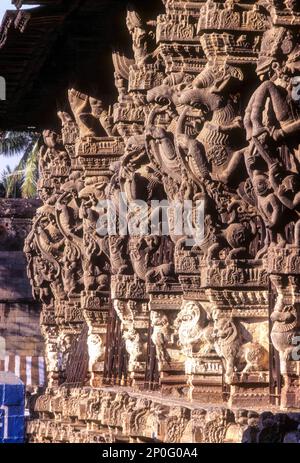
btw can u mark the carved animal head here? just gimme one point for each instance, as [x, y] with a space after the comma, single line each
[202, 100]
[135, 144]
[210, 90]
[286, 314]
[225, 330]
[170, 90]
[189, 315]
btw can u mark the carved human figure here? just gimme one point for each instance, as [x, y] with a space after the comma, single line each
[286, 186]
[95, 349]
[64, 346]
[138, 178]
[133, 346]
[270, 208]
[52, 359]
[276, 64]
[72, 268]
[160, 335]
[52, 155]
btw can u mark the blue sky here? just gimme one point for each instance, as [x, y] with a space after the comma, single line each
[5, 5]
[12, 161]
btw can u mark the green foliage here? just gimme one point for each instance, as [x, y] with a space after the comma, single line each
[21, 181]
[12, 143]
[29, 183]
[10, 183]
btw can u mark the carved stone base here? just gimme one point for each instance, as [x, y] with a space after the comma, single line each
[290, 393]
[89, 415]
[243, 395]
[206, 393]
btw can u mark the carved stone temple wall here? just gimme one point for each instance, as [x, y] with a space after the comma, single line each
[152, 337]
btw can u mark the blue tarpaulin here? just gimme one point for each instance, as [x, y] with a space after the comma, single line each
[12, 408]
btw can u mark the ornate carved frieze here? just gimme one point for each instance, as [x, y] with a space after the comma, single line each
[206, 121]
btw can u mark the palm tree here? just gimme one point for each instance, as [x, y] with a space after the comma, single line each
[10, 184]
[22, 181]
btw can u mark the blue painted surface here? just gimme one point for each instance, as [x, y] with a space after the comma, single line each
[12, 407]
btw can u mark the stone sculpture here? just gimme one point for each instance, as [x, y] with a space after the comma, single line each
[208, 112]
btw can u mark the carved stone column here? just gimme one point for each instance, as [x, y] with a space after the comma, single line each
[130, 302]
[96, 308]
[241, 329]
[165, 303]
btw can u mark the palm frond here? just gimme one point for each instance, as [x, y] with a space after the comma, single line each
[11, 182]
[23, 179]
[29, 183]
[12, 143]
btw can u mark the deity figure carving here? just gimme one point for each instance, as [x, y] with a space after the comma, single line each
[133, 346]
[43, 248]
[138, 178]
[71, 272]
[277, 63]
[211, 94]
[142, 249]
[96, 256]
[52, 156]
